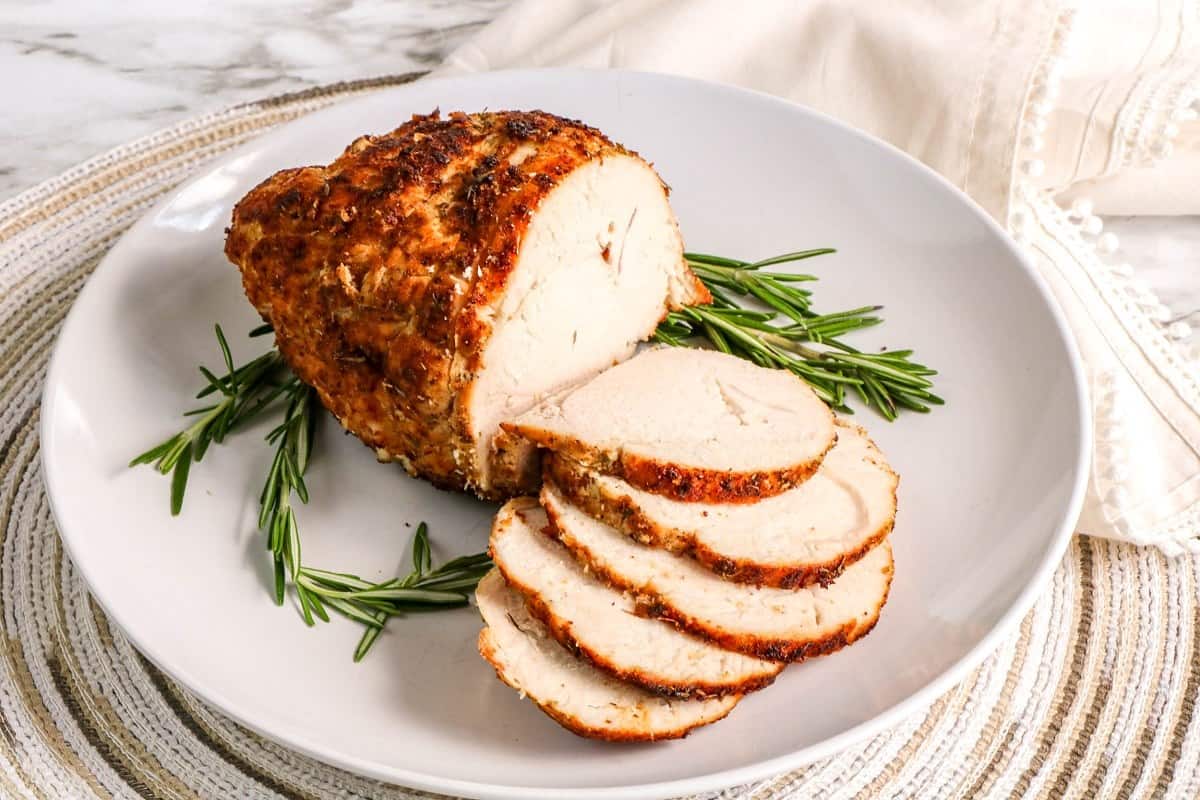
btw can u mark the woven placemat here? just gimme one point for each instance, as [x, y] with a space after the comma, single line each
[1093, 696]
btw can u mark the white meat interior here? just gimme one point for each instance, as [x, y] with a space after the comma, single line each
[601, 253]
[692, 409]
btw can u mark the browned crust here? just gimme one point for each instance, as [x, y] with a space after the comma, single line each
[651, 604]
[487, 649]
[379, 272]
[687, 484]
[563, 632]
[620, 511]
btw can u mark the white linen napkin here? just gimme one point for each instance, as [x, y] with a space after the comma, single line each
[1031, 107]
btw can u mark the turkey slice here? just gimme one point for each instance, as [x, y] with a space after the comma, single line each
[694, 425]
[576, 695]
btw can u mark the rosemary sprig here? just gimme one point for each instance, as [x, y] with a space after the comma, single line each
[371, 604]
[244, 392]
[293, 445]
[786, 333]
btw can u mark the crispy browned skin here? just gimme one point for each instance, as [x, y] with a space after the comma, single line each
[379, 272]
[784, 650]
[562, 631]
[487, 649]
[621, 512]
[690, 484]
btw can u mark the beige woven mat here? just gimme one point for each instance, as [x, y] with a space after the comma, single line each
[1092, 697]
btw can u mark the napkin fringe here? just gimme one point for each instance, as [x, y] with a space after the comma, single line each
[1148, 128]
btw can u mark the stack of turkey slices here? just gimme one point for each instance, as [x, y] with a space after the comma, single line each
[702, 523]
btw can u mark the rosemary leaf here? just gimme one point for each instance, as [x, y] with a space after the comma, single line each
[354, 612]
[179, 478]
[280, 580]
[364, 644]
[317, 606]
[305, 608]
[421, 558]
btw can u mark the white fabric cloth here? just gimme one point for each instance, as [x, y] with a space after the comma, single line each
[1027, 105]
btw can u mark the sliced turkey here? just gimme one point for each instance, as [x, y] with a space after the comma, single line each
[437, 279]
[806, 535]
[600, 624]
[779, 624]
[576, 695]
[694, 425]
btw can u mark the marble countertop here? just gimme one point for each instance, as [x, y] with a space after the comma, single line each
[83, 77]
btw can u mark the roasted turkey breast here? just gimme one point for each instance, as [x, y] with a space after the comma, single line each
[435, 280]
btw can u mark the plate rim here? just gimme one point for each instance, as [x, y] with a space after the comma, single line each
[709, 781]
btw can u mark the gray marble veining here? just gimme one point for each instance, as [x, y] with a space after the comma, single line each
[81, 77]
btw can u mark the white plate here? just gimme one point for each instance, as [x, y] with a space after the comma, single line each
[991, 483]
